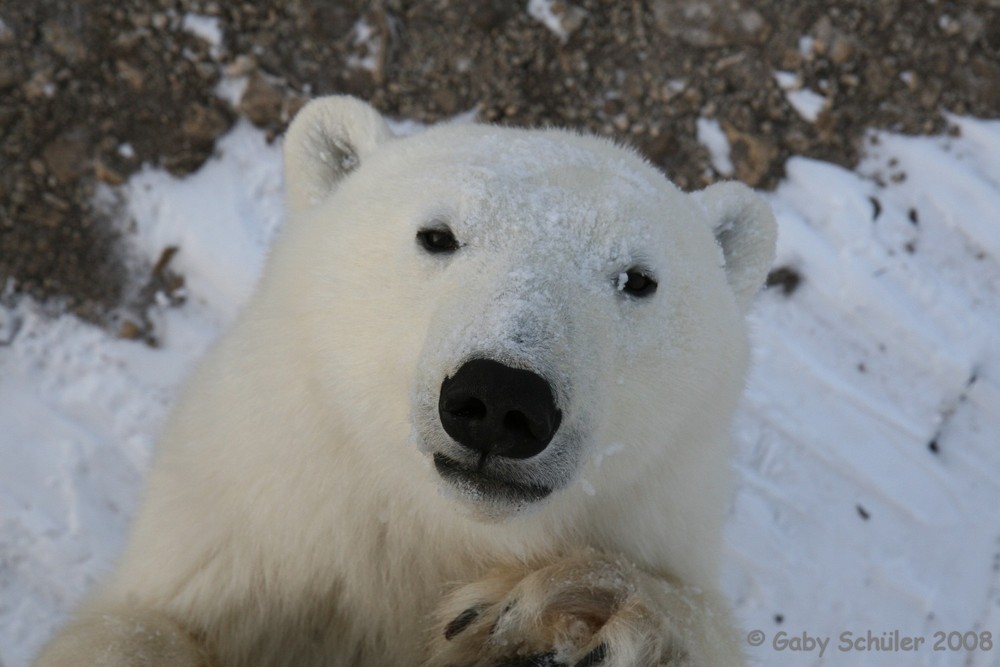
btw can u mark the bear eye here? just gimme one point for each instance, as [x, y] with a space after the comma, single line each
[636, 282]
[437, 240]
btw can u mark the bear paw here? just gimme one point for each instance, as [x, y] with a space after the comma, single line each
[581, 611]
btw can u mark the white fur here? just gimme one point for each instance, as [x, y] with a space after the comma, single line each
[293, 516]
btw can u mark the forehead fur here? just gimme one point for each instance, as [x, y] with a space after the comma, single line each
[546, 156]
[493, 184]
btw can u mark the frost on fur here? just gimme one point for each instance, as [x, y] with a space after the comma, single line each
[411, 419]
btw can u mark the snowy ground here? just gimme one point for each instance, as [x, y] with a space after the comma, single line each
[867, 449]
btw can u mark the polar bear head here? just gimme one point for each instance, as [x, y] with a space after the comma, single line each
[505, 306]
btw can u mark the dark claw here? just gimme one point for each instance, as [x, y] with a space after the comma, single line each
[460, 622]
[544, 660]
[595, 657]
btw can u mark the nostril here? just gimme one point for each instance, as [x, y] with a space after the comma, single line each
[471, 408]
[516, 422]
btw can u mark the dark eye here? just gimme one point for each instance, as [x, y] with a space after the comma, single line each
[437, 240]
[636, 283]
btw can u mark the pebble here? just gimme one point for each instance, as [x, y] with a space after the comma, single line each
[10, 70]
[64, 40]
[710, 23]
[66, 159]
[203, 124]
[261, 101]
[105, 172]
[752, 156]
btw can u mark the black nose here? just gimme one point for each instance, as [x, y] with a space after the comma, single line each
[495, 409]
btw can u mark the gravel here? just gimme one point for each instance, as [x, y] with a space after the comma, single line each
[89, 91]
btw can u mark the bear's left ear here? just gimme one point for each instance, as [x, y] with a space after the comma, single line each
[745, 228]
[329, 138]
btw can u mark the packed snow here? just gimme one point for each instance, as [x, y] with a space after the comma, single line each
[562, 19]
[368, 42]
[806, 102]
[866, 452]
[711, 135]
[205, 28]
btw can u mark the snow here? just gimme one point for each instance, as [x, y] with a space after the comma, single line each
[367, 41]
[231, 89]
[205, 28]
[221, 220]
[807, 103]
[80, 409]
[867, 462]
[806, 43]
[881, 352]
[559, 17]
[711, 136]
[787, 80]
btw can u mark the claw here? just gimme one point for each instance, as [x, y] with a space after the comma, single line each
[543, 660]
[595, 657]
[459, 623]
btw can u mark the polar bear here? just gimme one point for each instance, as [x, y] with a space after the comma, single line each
[477, 413]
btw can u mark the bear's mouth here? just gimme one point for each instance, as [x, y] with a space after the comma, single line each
[481, 485]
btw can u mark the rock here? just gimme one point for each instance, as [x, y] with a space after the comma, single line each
[949, 26]
[570, 16]
[203, 124]
[560, 17]
[106, 172]
[66, 159]
[242, 65]
[7, 36]
[930, 94]
[130, 75]
[751, 155]
[842, 49]
[489, 15]
[446, 100]
[886, 11]
[823, 34]
[980, 80]
[261, 101]
[879, 77]
[292, 105]
[40, 85]
[129, 330]
[64, 41]
[711, 23]
[10, 70]
[972, 26]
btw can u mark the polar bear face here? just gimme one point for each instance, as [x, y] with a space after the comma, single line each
[502, 304]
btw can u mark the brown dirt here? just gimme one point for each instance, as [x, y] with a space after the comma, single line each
[78, 79]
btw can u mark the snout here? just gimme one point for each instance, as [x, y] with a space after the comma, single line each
[496, 410]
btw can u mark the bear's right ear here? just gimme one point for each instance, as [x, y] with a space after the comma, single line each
[328, 139]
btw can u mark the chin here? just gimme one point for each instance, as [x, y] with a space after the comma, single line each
[488, 495]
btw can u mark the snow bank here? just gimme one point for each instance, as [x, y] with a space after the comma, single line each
[79, 409]
[868, 453]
